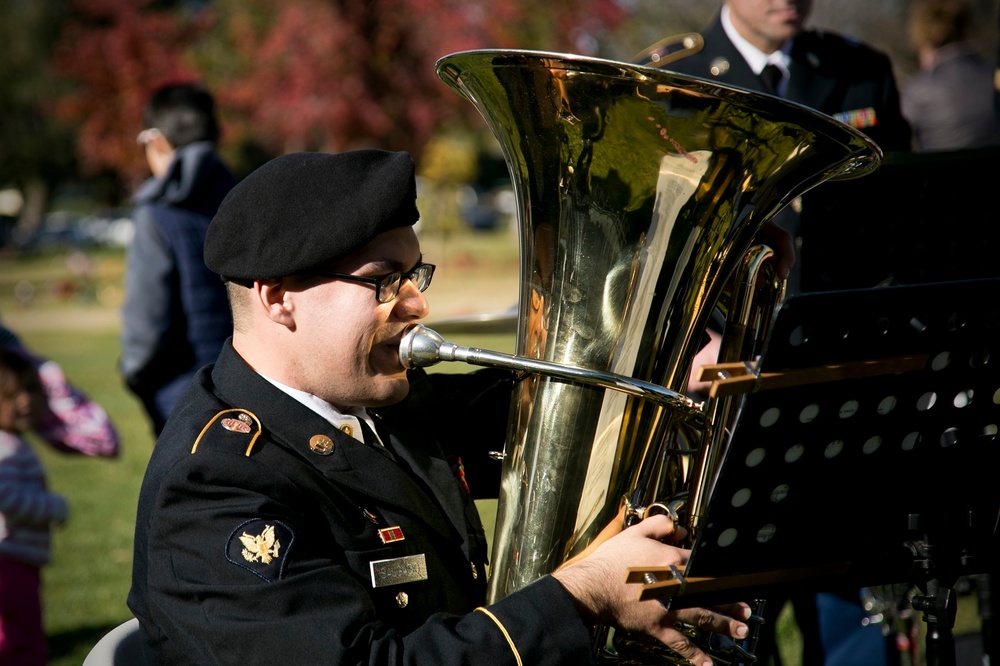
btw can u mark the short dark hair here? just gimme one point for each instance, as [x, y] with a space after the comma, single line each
[17, 372]
[935, 23]
[183, 112]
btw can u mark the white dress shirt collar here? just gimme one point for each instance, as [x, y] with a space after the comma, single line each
[756, 58]
[346, 423]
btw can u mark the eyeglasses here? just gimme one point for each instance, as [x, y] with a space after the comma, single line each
[387, 286]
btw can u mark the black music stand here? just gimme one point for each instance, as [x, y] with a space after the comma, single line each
[920, 218]
[865, 456]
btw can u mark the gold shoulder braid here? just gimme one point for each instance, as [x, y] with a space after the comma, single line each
[239, 421]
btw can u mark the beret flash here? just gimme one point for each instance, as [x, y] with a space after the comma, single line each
[303, 211]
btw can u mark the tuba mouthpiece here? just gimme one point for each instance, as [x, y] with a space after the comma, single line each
[420, 347]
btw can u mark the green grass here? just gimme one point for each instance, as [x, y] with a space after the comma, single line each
[88, 580]
[73, 320]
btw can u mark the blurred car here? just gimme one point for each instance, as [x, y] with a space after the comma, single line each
[62, 229]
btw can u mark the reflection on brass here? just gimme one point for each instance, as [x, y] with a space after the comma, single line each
[640, 194]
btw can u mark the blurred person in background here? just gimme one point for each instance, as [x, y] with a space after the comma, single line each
[175, 317]
[35, 396]
[763, 45]
[71, 422]
[949, 102]
[27, 511]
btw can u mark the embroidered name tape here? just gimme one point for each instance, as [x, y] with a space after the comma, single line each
[398, 570]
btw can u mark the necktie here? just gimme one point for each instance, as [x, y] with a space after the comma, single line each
[371, 439]
[770, 77]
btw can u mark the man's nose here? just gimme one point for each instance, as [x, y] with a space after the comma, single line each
[412, 301]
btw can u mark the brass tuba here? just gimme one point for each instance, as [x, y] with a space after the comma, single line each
[639, 196]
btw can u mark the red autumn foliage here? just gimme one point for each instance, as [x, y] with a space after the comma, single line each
[296, 74]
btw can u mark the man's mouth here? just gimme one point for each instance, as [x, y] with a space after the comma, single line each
[391, 346]
[393, 341]
[788, 12]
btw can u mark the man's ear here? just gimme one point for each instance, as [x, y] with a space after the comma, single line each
[275, 299]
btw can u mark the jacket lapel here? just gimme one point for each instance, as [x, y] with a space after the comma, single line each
[436, 473]
[368, 472]
[807, 82]
[735, 71]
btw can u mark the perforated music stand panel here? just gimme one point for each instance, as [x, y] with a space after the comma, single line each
[828, 472]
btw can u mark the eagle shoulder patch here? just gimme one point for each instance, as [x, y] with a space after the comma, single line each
[261, 547]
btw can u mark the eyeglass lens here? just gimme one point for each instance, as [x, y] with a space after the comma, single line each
[390, 284]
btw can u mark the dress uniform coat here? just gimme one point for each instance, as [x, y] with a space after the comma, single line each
[266, 534]
[829, 73]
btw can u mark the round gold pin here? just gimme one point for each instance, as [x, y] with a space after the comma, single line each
[321, 444]
[402, 599]
[719, 66]
[347, 430]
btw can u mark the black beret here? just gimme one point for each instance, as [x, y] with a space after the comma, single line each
[303, 211]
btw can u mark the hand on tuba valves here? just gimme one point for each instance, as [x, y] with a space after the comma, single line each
[597, 584]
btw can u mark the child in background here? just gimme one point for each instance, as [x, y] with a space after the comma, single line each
[70, 422]
[35, 395]
[27, 511]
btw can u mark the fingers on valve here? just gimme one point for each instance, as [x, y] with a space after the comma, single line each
[658, 526]
[717, 623]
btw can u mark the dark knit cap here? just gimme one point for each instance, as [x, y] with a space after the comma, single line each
[303, 211]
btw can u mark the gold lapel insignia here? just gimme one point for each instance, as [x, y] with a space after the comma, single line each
[321, 444]
[718, 67]
[390, 534]
[262, 547]
[369, 515]
[240, 424]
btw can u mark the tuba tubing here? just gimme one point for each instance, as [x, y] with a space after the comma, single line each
[639, 194]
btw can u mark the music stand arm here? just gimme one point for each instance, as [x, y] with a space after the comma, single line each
[738, 378]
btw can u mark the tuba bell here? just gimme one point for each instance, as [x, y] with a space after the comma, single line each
[639, 197]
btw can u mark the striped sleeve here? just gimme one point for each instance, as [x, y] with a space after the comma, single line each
[24, 499]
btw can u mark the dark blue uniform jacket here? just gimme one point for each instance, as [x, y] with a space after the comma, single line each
[829, 73]
[264, 534]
